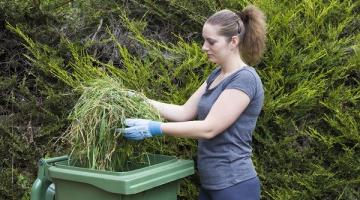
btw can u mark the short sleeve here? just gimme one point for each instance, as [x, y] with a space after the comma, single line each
[245, 81]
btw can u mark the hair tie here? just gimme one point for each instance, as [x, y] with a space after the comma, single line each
[243, 16]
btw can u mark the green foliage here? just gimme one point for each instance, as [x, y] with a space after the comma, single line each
[174, 71]
[309, 125]
[33, 106]
[29, 124]
[306, 145]
[103, 107]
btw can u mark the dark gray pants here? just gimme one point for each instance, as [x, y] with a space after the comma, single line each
[246, 190]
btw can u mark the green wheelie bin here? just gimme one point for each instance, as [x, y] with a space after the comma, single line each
[59, 179]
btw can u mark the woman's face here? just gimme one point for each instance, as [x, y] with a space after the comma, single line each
[217, 47]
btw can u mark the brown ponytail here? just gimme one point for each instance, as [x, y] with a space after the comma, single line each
[253, 42]
[249, 25]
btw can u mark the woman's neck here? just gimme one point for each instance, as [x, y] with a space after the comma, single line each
[232, 64]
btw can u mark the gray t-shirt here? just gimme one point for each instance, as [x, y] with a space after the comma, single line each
[226, 159]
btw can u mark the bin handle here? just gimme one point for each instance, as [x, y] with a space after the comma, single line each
[53, 160]
[41, 184]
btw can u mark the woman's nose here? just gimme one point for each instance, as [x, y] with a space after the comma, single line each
[204, 47]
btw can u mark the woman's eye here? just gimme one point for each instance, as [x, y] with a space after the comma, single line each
[211, 42]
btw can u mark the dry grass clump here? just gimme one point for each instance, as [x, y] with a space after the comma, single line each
[102, 107]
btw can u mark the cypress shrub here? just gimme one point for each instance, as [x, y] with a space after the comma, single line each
[307, 136]
[306, 141]
[177, 67]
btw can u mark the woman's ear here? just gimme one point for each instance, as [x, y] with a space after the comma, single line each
[235, 41]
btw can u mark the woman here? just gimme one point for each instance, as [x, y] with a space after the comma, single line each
[225, 107]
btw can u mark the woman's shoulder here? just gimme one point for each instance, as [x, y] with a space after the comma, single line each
[247, 76]
[248, 71]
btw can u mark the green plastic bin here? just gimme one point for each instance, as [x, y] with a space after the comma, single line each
[157, 180]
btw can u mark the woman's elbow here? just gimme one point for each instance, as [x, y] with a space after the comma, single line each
[209, 132]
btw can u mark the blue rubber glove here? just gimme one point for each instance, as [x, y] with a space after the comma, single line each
[139, 129]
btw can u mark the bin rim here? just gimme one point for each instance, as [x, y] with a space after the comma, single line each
[64, 164]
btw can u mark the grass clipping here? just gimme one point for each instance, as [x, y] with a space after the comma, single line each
[102, 107]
